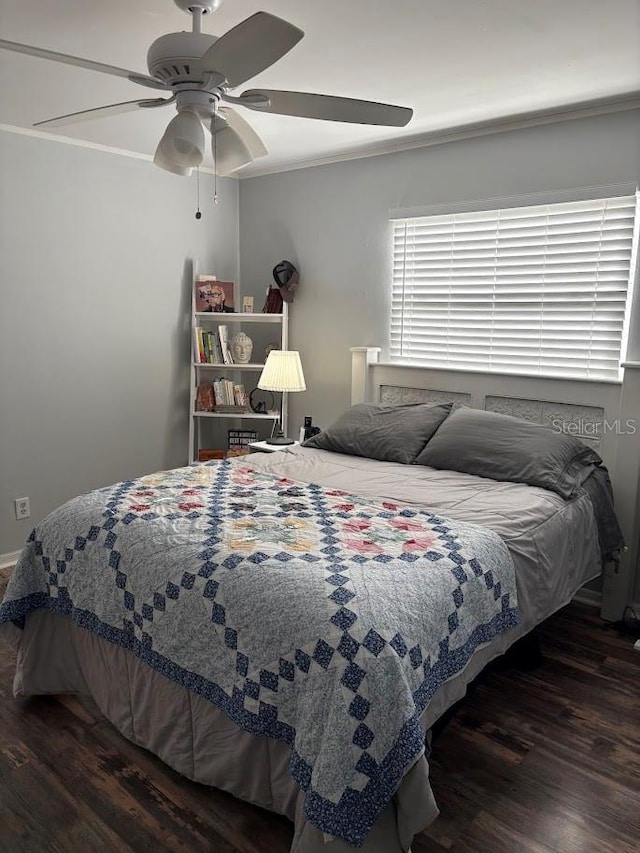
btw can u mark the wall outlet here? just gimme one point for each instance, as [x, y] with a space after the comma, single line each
[23, 510]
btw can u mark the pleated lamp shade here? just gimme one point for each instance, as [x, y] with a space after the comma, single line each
[282, 372]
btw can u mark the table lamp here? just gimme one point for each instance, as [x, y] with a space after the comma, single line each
[282, 372]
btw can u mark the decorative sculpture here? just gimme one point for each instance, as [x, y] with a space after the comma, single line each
[241, 348]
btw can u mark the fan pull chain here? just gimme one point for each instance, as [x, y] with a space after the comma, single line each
[215, 162]
[198, 213]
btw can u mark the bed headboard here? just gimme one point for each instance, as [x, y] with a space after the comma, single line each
[603, 414]
[585, 422]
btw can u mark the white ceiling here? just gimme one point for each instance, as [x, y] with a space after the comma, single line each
[454, 62]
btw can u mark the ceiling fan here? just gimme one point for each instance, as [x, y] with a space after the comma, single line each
[199, 69]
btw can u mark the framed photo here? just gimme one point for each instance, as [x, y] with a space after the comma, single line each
[214, 296]
[247, 304]
[239, 439]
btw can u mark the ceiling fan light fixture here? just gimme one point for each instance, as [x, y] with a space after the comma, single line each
[199, 69]
[160, 159]
[229, 151]
[244, 130]
[183, 140]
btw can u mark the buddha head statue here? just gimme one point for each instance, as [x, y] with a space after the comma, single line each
[241, 348]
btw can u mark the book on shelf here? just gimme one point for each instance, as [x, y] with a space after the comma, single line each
[229, 396]
[240, 396]
[218, 392]
[205, 401]
[217, 349]
[223, 334]
[198, 345]
[209, 349]
[208, 355]
[211, 346]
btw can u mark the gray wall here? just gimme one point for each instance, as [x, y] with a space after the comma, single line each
[333, 221]
[95, 273]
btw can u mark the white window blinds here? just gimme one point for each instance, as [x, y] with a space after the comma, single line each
[536, 290]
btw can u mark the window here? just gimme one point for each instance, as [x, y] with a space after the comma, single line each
[538, 290]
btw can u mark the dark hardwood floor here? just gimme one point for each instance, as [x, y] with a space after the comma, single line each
[539, 761]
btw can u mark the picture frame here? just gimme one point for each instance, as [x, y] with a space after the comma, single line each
[247, 304]
[211, 295]
[240, 439]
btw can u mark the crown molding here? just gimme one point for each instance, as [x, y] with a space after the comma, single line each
[518, 121]
[83, 143]
[70, 140]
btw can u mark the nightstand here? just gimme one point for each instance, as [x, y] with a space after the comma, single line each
[265, 447]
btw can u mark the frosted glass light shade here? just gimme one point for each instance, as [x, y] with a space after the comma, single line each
[234, 143]
[161, 160]
[183, 140]
[229, 151]
[282, 372]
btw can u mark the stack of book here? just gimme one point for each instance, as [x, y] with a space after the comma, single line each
[212, 346]
[229, 396]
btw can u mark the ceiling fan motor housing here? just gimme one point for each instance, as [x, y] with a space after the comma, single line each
[206, 5]
[174, 58]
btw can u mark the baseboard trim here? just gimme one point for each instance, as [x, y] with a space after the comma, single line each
[588, 596]
[10, 559]
[594, 598]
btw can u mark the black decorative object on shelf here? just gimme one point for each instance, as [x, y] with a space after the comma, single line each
[261, 401]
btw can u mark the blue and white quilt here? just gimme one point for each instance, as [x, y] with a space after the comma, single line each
[306, 614]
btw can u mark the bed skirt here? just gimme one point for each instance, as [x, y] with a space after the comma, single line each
[192, 736]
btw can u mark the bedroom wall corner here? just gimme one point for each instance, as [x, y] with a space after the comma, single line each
[95, 262]
[332, 221]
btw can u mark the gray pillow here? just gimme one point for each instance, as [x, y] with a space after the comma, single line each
[387, 433]
[500, 447]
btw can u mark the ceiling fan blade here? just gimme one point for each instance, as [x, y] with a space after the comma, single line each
[330, 108]
[246, 133]
[250, 47]
[41, 53]
[100, 112]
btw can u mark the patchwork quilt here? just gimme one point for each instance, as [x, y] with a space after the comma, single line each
[306, 614]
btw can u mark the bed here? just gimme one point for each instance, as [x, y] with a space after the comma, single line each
[288, 627]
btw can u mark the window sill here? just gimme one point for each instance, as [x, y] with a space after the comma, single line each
[545, 378]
